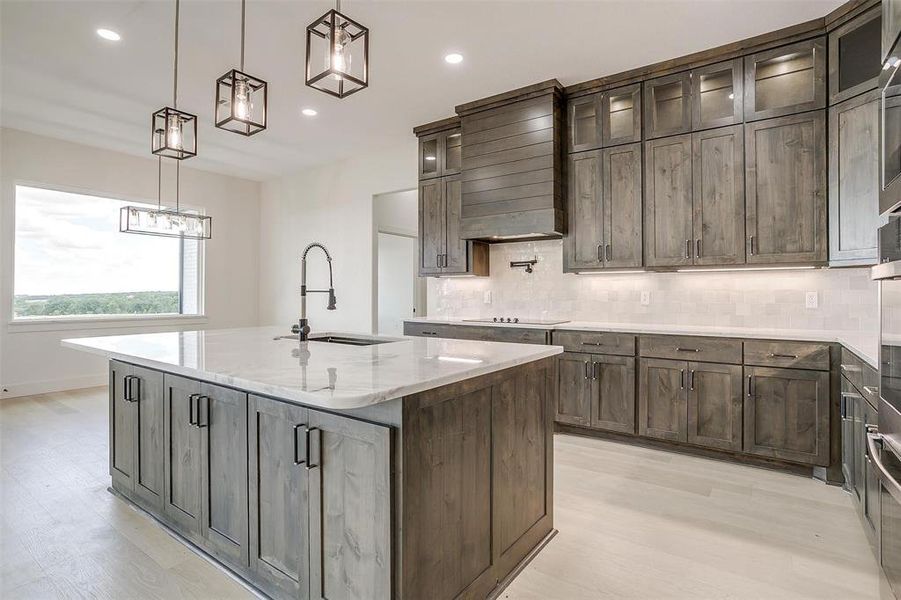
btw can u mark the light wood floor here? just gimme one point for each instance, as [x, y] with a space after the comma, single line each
[633, 523]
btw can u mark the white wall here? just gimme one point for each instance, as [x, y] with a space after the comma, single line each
[332, 204]
[33, 361]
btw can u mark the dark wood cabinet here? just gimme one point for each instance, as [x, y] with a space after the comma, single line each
[584, 115]
[604, 209]
[715, 405]
[662, 399]
[442, 250]
[667, 105]
[440, 154]
[136, 433]
[891, 26]
[183, 500]
[574, 383]
[785, 185]
[854, 179]
[785, 80]
[855, 56]
[621, 115]
[429, 163]
[718, 190]
[716, 95]
[613, 393]
[668, 230]
[787, 414]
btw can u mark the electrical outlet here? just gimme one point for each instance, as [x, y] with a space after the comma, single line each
[486, 297]
[645, 298]
[812, 300]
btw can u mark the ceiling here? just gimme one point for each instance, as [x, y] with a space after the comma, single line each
[60, 79]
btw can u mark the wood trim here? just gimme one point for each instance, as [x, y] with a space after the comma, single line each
[848, 11]
[437, 126]
[550, 86]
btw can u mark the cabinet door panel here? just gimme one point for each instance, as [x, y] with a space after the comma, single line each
[223, 420]
[621, 176]
[574, 397]
[431, 226]
[667, 105]
[350, 508]
[854, 179]
[122, 415]
[150, 393]
[613, 393]
[787, 414]
[455, 247]
[662, 400]
[585, 123]
[668, 202]
[621, 115]
[183, 502]
[429, 156]
[452, 152]
[786, 80]
[715, 405]
[719, 196]
[854, 56]
[279, 497]
[848, 402]
[716, 95]
[584, 237]
[786, 178]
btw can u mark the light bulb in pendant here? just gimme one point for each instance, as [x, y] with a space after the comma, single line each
[340, 58]
[173, 135]
[243, 105]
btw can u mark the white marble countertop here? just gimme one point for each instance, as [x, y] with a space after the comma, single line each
[864, 344]
[326, 375]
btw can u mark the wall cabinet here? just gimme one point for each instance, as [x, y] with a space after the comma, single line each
[584, 115]
[440, 154]
[787, 414]
[667, 105]
[604, 119]
[854, 56]
[785, 80]
[442, 250]
[206, 466]
[694, 207]
[854, 179]
[136, 433]
[785, 189]
[604, 207]
[716, 95]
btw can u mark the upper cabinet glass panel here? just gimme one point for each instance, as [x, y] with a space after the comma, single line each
[621, 115]
[785, 80]
[854, 56]
[716, 95]
[584, 124]
[667, 105]
[453, 157]
[428, 156]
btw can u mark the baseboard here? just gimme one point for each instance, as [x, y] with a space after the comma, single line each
[55, 385]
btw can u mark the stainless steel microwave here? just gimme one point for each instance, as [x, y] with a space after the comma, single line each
[890, 133]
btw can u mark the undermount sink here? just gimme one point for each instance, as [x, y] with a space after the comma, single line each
[340, 339]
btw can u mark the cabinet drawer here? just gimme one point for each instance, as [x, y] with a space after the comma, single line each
[428, 330]
[852, 369]
[596, 342]
[795, 355]
[691, 348]
[516, 335]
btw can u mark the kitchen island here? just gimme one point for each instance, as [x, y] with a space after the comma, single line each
[374, 468]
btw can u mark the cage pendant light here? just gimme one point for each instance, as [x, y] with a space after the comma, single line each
[159, 221]
[337, 54]
[173, 131]
[241, 99]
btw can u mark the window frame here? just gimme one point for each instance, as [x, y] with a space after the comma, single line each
[71, 322]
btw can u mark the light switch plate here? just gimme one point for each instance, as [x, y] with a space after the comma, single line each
[812, 300]
[645, 298]
[486, 297]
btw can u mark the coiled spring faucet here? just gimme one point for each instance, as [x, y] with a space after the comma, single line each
[302, 328]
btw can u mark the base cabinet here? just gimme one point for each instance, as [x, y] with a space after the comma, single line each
[662, 401]
[597, 391]
[574, 380]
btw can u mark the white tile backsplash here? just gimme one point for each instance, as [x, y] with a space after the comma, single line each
[762, 299]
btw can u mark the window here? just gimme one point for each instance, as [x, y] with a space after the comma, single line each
[72, 261]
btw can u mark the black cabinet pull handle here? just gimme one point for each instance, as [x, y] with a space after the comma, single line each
[687, 248]
[751, 245]
[698, 248]
[596, 371]
[135, 388]
[691, 380]
[600, 258]
[682, 378]
[205, 412]
[586, 370]
[776, 355]
[608, 252]
[749, 387]
[193, 409]
[126, 388]
[300, 428]
[679, 349]
[314, 447]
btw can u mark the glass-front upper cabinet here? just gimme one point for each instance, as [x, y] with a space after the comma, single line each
[440, 154]
[667, 105]
[716, 95]
[428, 156]
[585, 123]
[453, 153]
[854, 56]
[621, 115]
[786, 80]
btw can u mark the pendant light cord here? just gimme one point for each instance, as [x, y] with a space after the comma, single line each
[243, 11]
[177, 177]
[159, 183]
[338, 5]
[175, 70]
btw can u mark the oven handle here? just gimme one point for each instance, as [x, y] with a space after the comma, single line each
[884, 476]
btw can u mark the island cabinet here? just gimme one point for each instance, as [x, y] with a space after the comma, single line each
[785, 187]
[695, 201]
[320, 503]
[854, 180]
[136, 433]
[604, 208]
[206, 466]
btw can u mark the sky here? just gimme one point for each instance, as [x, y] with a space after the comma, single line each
[70, 243]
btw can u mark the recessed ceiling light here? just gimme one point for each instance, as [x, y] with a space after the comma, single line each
[109, 34]
[309, 112]
[453, 58]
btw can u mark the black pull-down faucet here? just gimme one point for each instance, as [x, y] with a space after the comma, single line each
[302, 328]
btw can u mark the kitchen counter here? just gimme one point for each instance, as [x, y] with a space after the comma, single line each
[865, 345]
[326, 375]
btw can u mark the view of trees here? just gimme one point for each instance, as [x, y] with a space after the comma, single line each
[122, 303]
